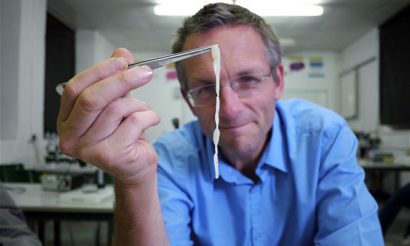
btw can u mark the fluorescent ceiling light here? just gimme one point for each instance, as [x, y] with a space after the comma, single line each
[297, 10]
[294, 8]
[278, 2]
[176, 10]
[181, 7]
[287, 42]
[260, 7]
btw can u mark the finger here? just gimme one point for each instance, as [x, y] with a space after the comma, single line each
[132, 128]
[111, 117]
[121, 52]
[84, 79]
[121, 57]
[95, 98]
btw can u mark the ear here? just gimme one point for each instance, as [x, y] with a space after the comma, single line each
[279, 83]
[185, 96]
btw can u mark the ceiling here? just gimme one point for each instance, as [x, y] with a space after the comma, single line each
[132, 23]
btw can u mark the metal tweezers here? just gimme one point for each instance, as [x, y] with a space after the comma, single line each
[157, 62]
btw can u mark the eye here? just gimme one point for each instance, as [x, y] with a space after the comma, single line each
[205, 91]
[248, 80]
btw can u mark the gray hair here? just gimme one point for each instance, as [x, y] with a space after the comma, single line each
[222, 14]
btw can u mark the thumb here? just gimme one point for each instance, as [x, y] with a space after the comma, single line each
[122, 52]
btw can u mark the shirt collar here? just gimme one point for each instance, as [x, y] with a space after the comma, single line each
[274, 155]
[275, 152]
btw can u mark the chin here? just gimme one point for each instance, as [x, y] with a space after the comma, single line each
[239, 144]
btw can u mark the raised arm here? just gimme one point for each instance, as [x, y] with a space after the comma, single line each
[101, 124]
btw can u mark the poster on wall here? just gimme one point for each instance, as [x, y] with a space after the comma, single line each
[316, 69]
[171, 73]
[296, 64]
[312, 66]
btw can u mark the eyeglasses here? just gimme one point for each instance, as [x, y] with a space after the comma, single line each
[242, 85]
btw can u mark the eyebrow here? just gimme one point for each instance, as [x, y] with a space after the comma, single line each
[200, 81]
[248, 71]
[196, 82]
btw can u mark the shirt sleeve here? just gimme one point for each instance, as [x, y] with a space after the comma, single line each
[176, 207]
[13, 227]
[176, 204]
[346, 211]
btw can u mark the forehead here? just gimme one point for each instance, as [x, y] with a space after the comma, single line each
[241, 48]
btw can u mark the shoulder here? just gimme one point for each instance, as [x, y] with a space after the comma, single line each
[305, 117]
[183, 139]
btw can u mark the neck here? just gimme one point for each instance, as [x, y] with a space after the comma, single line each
[246, 162]
[246, 167]
[249, 171]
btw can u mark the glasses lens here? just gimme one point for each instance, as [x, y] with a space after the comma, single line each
[202, 96]
[247, 82]
[244, 86]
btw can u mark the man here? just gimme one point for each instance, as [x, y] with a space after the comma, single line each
[13, 228]
[391, 208]
[288, 172]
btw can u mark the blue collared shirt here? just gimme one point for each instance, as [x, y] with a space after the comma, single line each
[311, 190]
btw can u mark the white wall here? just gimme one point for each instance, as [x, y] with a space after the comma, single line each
[10, 31]
[164, 97]
[394, 141]
[161, 94]
[315, 84]
[91, 47]
[368, 118]
[365, 48]
[23, 78]
[22, 82]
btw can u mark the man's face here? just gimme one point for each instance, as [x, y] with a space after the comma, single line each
[244, 121]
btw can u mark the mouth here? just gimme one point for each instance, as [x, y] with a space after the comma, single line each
[232, 127]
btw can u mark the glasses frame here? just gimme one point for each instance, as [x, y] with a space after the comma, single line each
[190, 93]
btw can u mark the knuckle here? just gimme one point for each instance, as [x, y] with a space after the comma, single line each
[70, 89]
[153, 157]
[66, 147]
[101, 71]
[124, 79]
[153, 117]
[114, 108]
[157, 118]
[88, 102]
[135, 118]
[144, 105]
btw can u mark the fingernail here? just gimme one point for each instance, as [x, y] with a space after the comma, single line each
[142, 74]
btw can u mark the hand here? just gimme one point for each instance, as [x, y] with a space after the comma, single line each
[101, 124]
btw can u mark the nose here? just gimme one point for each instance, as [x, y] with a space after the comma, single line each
[230, 106]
